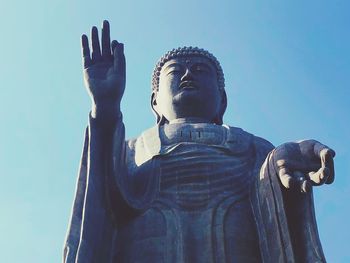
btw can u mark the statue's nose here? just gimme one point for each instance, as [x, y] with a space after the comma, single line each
[187, 76]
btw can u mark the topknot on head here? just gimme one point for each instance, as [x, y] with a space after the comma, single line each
[183, 52]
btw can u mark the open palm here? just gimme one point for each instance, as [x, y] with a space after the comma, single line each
[104, 68]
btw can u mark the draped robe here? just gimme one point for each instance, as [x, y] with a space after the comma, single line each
[186, 192]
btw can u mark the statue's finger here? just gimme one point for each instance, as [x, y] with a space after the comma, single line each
[286, 179]
[302, 182]
[330, 166]
[119, 58]
[319, 177]
[326, 156]
[328, 162]
[321, 149]
[116, 57]
[305, 186]
[96, 51]
[113, 46]
[292, 163]
[85, 51]
[106, 41]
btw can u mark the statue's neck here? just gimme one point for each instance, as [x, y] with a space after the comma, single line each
[189, 120]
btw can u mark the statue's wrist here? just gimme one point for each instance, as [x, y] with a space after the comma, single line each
[105, 111]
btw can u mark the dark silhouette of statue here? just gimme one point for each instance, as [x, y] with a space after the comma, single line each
[190, 189]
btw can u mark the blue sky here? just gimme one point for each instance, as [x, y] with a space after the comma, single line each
[287, 69]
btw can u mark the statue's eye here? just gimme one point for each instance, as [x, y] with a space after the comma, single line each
[174, 70]
[199, 68]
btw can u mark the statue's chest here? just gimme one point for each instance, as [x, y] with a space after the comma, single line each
[201, 211]
[196, 176]
[196, 206]
[189, 166]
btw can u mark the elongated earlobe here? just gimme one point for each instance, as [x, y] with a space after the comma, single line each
[161, 120]
[154, 105]
[219, 118]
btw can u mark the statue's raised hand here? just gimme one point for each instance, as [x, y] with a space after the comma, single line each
[300, 165]
[104, 72]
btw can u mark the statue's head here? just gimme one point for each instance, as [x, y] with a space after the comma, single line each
[188, 83]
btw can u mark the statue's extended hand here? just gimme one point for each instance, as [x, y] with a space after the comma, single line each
[104, 71]
[303, 164]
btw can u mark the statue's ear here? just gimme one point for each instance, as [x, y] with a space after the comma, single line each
[160, 118]
[154, 106]
[223, 107]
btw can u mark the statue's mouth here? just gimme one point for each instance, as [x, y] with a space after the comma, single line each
[188, 85]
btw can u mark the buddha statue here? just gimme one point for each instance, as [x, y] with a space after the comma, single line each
[189, 189]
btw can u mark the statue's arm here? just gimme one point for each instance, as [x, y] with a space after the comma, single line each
[104, 76]
[282, 201]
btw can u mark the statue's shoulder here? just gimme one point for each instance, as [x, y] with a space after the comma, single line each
[260, 144]
[130, 144]
[145, 139]
[238, 140]
[144, 147]
[130, 153]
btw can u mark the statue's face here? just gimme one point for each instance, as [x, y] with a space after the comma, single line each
[188, 88]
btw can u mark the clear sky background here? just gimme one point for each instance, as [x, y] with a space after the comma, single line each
[287, 69]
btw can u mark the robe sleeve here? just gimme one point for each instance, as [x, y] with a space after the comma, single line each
[73, 233]
[285, 219]
[92, 230]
